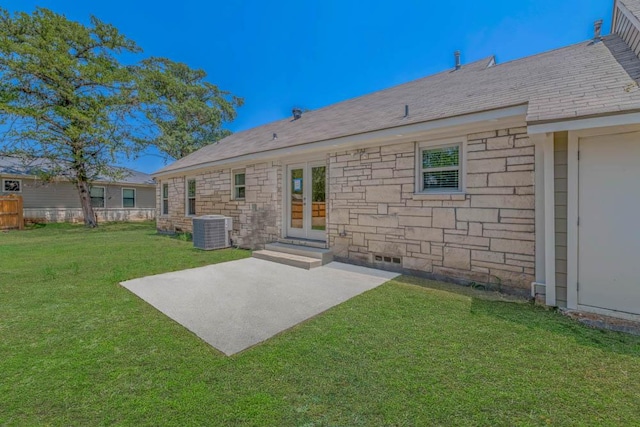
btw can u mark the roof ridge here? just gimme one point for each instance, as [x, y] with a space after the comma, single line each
[546, 52]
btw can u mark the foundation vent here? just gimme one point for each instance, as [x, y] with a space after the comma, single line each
[387, 259]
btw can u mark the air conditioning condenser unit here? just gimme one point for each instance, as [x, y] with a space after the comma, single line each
[212, 231]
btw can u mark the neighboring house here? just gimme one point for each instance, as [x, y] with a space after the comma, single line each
[131, 198]
[480, 173]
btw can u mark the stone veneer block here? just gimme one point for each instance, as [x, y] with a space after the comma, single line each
[503, 201]
[444, 218]
[422, 233]
[457, 258]
[500, 142]
[387, 248]
[513, 246]
[486, 165]
[419, 264]
[477, 215]
[378, 220]
[383, 194]
[510, 179]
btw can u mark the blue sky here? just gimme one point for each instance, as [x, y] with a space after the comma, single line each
[283, 53]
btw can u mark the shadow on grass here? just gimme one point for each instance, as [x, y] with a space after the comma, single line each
[522, 312]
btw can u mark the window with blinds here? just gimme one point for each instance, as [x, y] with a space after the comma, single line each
[440, 169]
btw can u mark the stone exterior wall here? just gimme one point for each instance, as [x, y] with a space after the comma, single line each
[257, 218]
[46, 215]
[485, 235]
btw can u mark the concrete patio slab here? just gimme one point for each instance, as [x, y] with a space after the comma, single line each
[238, 304]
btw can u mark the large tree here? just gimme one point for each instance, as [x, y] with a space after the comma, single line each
[66, 97]
[188, 112]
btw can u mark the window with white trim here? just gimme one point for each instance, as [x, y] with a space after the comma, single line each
[12, 186]
[165, 199]
[440, 168]
[191, 197]
[128, 197]
[239, 186]
[97, 195]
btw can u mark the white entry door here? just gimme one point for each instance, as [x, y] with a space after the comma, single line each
[608, 231]
[306, 200]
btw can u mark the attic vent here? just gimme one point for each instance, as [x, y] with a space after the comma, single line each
[456, 54]
[597, 27]
[297, 113]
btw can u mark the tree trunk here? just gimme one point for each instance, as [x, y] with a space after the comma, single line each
[85, 201]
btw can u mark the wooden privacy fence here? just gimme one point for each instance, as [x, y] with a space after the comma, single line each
[318, 210]
[11, 213]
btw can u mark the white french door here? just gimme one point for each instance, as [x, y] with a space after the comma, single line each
[306, 200]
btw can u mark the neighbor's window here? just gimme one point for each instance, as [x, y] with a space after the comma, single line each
[238, 185]
[440, 169]
[128, 198]
[191, 197]
[11, 185]
[165, 199]
[97, 197]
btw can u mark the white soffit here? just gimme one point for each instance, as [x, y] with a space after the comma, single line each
[590, 123]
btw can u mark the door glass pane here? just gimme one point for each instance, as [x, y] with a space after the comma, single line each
[297, 198]
[318, 208]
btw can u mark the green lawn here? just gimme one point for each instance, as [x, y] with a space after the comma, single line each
[78, 349]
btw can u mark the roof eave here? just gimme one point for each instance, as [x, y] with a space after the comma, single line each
[343, 141]
[620, 118]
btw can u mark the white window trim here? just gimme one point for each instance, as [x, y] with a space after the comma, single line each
[135, 197]
[235, 172]
[462, 180]
[162, 212]
[104, 196]
[11, 179]
[186, 196]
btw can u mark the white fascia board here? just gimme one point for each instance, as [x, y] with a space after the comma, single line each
[590, 123]
[347, 142]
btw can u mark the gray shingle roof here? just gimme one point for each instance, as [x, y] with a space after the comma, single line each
[581, 80]
[15, 166]
[633, 6]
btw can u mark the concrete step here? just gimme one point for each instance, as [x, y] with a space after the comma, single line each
[323, 254]
[288, 259]
[303, 242]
